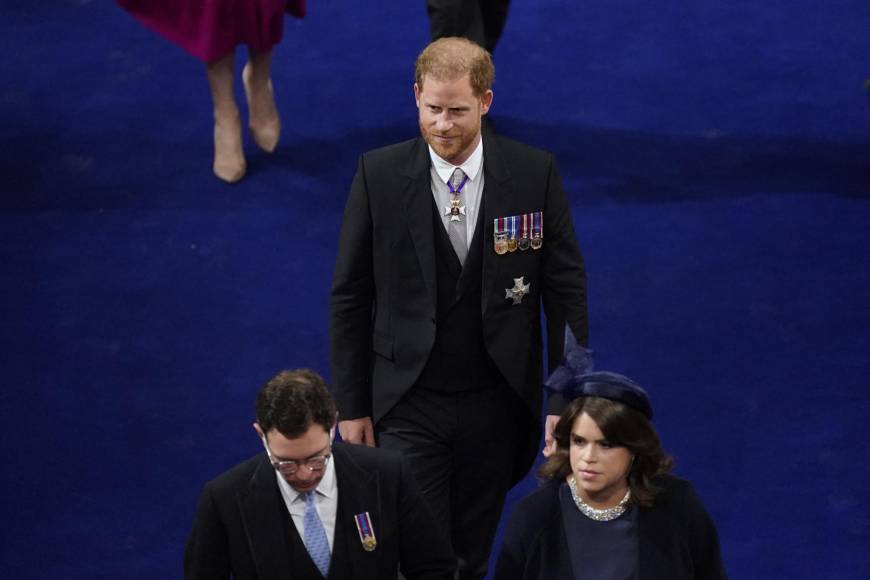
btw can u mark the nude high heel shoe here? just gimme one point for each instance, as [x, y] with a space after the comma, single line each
[264, 123]
[229, 159]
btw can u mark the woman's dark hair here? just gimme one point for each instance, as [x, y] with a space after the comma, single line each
[622, 426]
[292, 401]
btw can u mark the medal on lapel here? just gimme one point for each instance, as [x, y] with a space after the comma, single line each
[512, 240]
[500, 243]
[524, 242]
[537, 230]
[366, 531]
[518, 292]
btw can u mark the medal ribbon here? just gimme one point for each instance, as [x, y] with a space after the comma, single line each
[364, 525]
[458, 190]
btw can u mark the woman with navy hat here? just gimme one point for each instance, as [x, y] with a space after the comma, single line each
[610, 509]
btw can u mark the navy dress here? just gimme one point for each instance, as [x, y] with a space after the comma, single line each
[600, 549]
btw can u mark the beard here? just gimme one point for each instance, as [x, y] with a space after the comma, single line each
[460, 144]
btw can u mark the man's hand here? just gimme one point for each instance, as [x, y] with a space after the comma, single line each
[358, 431]
[549, 441]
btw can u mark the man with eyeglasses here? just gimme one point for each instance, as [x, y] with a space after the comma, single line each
[311, 508]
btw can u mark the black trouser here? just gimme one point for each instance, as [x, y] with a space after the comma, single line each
[462, 447]
[479, 20]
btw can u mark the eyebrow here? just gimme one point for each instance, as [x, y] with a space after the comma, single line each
[575, 436]
[437, 106]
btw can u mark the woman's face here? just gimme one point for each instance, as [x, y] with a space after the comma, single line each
[600, 468]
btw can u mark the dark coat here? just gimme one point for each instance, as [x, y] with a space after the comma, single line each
[677, 538]
[239, 529]
[384, 292]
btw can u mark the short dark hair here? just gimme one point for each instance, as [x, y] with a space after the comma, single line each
[292, 401]
[621, 426]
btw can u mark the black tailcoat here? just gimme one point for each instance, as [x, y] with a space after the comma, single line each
[241, 529]
[383, 306]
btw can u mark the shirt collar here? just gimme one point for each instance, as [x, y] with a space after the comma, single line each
[328, 485]
[471, 167]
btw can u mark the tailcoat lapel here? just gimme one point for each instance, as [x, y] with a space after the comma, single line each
[263, 512]
[498, 192]
[417, 198]
[358, 492]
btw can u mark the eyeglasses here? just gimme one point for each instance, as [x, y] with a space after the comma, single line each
[291, 466]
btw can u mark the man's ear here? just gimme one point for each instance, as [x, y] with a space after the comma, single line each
[417, 95]
[259, 430]
[485, 102]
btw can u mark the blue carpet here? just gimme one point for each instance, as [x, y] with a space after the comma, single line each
[716, 155]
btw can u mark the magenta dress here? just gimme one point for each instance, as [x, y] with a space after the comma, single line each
[210, 29]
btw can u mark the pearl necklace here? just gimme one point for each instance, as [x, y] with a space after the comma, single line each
[599, 515]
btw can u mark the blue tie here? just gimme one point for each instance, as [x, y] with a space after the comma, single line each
[315, 536]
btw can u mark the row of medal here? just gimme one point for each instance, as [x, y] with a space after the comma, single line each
[518, 232]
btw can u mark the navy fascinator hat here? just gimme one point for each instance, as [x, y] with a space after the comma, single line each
[575, 378]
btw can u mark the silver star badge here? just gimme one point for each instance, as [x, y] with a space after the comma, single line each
[518, 292]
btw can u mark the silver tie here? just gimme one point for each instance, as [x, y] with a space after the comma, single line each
[456, 230]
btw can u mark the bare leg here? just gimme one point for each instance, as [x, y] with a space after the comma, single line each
[263, 121]
[229, 159]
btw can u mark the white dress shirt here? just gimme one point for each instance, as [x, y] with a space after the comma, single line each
[472, 192]
[326, 501]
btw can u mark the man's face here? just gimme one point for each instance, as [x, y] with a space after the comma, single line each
[450, 116]
[314, 442]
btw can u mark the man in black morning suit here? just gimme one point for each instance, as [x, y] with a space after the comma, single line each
[479, 20]
[450, 245]
[308, 508]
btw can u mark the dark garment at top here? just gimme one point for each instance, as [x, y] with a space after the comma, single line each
[599, 550]
[479, 20]
[677, 540]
